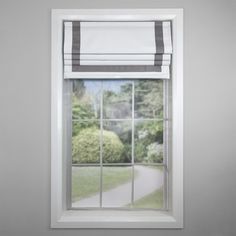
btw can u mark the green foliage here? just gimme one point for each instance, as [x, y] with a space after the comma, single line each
[147, 136]
[79, 126]
[113, 148]
[155, 153]
[140, 152]
[117, 100]
[127, 153]
[149, 98]
[117, 104]
[86, 147]
[123, 94]
[123, 130]
[154, 131]
[78, 88]
[81, 110]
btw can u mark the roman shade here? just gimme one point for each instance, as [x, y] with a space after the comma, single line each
[93, 49]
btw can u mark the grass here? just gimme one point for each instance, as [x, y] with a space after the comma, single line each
[86, 180]
[153, 200]
[156, 167]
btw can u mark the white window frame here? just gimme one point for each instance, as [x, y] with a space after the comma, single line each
[60, 216]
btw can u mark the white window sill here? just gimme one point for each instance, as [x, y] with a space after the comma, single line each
[116, 219]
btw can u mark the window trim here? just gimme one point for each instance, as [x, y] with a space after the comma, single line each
[60, 216]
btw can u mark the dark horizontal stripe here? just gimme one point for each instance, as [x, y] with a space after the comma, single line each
[108, 68]
[92, 21]
[101, 60]
[112, 53]
[78, 63]
[158, 57]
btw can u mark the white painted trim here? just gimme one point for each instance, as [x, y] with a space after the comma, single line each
[62, 218]
[118, 75]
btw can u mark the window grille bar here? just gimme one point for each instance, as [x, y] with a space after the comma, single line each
[105, 119]
[101, 144]
[119, 164]
[165, 142]
[149, 164]
[117, 208]
[167, 145]
[68, 140]
[132, 146]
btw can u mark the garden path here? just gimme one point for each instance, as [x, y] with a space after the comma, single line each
[147, 181]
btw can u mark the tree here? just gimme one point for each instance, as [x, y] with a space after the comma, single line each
[78, 88]
[149, 98]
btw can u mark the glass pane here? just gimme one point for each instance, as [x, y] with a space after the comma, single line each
[117, 99]
[117, 186]
[148, 141]
[85, 186]
[85, 142]
[148, 99]
[86, 99]
[148, 187]
[117, 141]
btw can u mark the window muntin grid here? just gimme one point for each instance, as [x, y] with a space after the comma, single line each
[132, 118]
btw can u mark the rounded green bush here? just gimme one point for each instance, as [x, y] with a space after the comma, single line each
[86, 147]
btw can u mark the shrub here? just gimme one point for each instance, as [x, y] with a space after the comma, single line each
[155, 153]
[86, 147]
[140, 152]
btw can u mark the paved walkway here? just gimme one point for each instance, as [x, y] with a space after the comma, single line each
[147, 181]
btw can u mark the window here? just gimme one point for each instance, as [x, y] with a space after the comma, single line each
[116, 136]
[119, 144]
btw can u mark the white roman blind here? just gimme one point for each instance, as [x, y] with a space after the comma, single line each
[105, 48]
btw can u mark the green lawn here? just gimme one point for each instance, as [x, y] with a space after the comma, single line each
[86, 180]
[156, 167]
[153, 200]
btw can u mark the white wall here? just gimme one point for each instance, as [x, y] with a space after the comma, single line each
[209, 116]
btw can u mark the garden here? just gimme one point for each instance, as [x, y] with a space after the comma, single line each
[117, 124]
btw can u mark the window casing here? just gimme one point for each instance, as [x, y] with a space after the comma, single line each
[61, 216]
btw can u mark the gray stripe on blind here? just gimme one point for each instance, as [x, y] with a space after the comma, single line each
[159, 41]
[75, 44]
[130, 68]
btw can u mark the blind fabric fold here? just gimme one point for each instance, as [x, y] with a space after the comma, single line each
[116, 48]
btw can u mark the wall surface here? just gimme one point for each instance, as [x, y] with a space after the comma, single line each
[209, 116]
